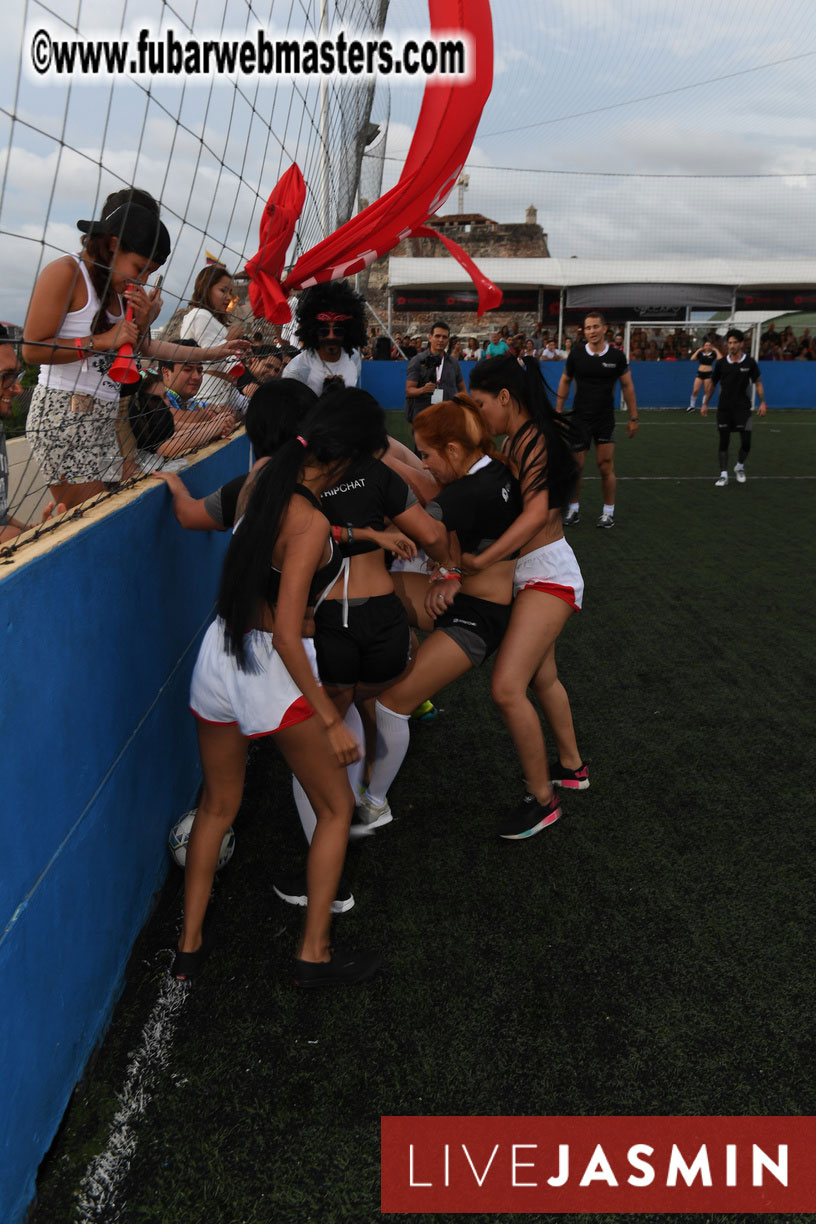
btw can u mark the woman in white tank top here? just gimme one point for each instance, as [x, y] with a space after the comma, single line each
[76, 323]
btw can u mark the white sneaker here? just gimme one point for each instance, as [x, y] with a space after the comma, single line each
[371, 814]
[740, 475]
[721, 481]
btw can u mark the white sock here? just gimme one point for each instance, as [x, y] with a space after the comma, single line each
[609, 510]
[354, 772]
[737, 467]
[573, 508]
[693, 402]
[724, 473]
[393, 738]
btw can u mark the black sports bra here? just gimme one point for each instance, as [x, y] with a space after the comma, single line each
[322, 578]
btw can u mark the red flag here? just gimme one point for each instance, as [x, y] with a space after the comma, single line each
[278, 223]
[446, 127]
[490, 295]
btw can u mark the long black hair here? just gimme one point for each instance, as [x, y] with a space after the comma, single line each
[525, 383]
[276, 413]
[335, 440]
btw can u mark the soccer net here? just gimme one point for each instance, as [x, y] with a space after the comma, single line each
[208, 149]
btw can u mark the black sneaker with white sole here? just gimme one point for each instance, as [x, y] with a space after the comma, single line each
[292, 890]
[529, 817]
[571, 518]
[570, 779]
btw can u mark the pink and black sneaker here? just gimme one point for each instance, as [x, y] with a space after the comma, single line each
[570, 779]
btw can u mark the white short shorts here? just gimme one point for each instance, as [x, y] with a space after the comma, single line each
[552, 569]
[259, 702]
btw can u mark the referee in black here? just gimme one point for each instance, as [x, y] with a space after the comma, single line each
[596, 366]
[735, 372]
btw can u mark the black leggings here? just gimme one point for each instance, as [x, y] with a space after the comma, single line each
[724, 439]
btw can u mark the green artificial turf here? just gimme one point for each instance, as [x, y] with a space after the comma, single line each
[648, 954]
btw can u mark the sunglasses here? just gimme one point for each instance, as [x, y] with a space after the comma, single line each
[331, 329]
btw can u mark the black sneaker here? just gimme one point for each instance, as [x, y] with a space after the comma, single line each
[292, 890]
[344, 969]
[529, 817]
[571, 518]
[570, 779]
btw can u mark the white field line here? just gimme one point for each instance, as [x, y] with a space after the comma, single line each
[751, 479]
[103, 1179]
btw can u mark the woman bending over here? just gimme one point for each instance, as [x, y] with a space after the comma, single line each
[254, 677]
[478, 501]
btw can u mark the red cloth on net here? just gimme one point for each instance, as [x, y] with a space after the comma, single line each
[447, 123]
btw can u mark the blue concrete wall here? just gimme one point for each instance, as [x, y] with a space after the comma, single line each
[99, 758]
[664, 384]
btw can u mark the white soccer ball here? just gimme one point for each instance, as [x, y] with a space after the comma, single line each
[180, 835]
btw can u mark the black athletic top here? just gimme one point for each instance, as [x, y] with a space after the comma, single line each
[707, 358]
[595, 376]
[479, 507]
[735, 378]
[365, 498]
[322, 577]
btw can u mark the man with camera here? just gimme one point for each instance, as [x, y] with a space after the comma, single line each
[432, 376]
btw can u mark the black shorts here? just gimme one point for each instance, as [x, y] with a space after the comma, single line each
[734, 418]
[704, 373]
[477, 625]
[599, 429]
[374, 649]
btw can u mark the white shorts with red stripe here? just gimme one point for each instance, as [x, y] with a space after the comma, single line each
[553, 569]
[259, 702]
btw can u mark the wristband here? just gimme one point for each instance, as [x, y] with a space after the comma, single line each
[336, 534]
[350, 531]
[79, 348]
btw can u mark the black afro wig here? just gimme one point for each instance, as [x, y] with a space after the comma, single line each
[333, 297]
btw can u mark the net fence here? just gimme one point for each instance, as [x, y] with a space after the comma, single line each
[209, 150]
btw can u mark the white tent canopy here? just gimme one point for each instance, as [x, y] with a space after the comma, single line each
[514, 273]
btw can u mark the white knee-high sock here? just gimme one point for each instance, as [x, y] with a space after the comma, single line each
[393, 738]
[354, 771]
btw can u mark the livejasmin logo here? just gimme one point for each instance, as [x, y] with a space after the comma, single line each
[619, 1164]
[642, 1157]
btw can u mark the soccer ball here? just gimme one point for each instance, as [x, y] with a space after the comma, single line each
[180, 835]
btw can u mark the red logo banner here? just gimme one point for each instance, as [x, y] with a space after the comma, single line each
[671, 1165]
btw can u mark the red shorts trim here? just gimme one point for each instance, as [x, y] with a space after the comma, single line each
[299, 711]
[567, 593]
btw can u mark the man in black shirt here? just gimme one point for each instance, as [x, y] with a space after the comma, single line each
[735, 372]
[596, 366]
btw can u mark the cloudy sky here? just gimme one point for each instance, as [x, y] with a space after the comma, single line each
[641, 127]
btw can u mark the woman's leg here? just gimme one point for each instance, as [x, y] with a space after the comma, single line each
[72, 494]
[354, 772]
[439, 661]
[223, 758]
[305, 748]
[535, 623]
[555, 704]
